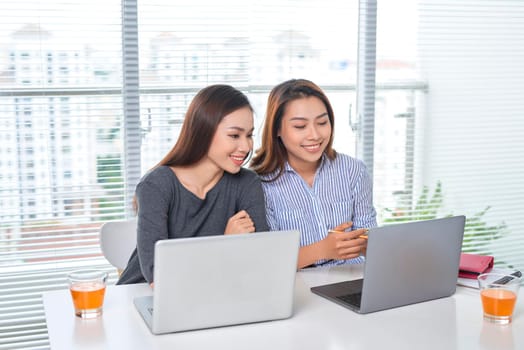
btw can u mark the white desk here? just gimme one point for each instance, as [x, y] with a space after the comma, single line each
[450, 323]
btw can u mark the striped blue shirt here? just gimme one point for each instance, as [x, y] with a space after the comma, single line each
[342, 191]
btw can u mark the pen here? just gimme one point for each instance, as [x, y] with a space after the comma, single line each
[365, 236]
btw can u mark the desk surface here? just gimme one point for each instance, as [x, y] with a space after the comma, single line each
[449, 323]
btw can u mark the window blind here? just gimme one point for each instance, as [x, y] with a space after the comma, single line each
[366, 83]
[185, 45]
[87, 107]
[453, 145]
[61, 154]
[91, 99]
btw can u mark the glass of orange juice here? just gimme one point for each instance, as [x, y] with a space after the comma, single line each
[87, 290]
[498, 293]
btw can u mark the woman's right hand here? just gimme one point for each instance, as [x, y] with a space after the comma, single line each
[341, 245]
[239, 223]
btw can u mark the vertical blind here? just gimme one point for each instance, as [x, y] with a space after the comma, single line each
[452, 142]
[90, 99]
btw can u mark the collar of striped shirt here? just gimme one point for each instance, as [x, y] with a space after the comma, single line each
[323, 160]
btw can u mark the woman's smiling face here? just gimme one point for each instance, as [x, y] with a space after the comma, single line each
[305, 131]
[233, 140]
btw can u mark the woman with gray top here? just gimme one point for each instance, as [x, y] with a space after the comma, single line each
[200, 187]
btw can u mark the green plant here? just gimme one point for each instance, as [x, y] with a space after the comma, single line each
[110, 178]
[477, 233]
[426, 207]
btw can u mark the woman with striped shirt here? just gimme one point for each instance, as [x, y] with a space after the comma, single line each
[307, 185]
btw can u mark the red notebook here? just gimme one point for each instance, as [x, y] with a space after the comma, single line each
[472, 265]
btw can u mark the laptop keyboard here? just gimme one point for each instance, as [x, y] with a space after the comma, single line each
[353, 299]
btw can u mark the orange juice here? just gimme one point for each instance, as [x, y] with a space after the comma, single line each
[498, 302]
[89, 295]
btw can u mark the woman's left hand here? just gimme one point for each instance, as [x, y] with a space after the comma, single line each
[240, 223]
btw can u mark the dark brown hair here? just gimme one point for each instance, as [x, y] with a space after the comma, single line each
[206, 111]
[272, 155]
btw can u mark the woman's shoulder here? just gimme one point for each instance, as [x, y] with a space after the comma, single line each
[245, 175]
[345, 167]
[161, 175]
[346, 161]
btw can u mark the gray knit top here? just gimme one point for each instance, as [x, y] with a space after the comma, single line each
[168, 210]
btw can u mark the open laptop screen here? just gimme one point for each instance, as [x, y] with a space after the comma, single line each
[405, 264]
[222, 280]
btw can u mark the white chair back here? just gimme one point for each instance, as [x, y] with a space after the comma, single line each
[117, 241]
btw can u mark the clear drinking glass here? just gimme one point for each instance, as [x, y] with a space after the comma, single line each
[87, 290]
[498, 293]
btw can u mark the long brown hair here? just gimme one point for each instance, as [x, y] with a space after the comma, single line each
[205, 112]
[207, 109]
[272, 155]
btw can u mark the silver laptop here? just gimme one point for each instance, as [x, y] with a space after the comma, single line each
[405, 264]
[214, 281]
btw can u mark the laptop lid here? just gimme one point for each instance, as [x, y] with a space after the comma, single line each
[222, 280]
[405, 264]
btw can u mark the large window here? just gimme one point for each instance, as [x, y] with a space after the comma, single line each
[250, 44]
[91, 99]
[60, 176]
[453, 145]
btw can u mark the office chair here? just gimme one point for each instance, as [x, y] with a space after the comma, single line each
[117, 242]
